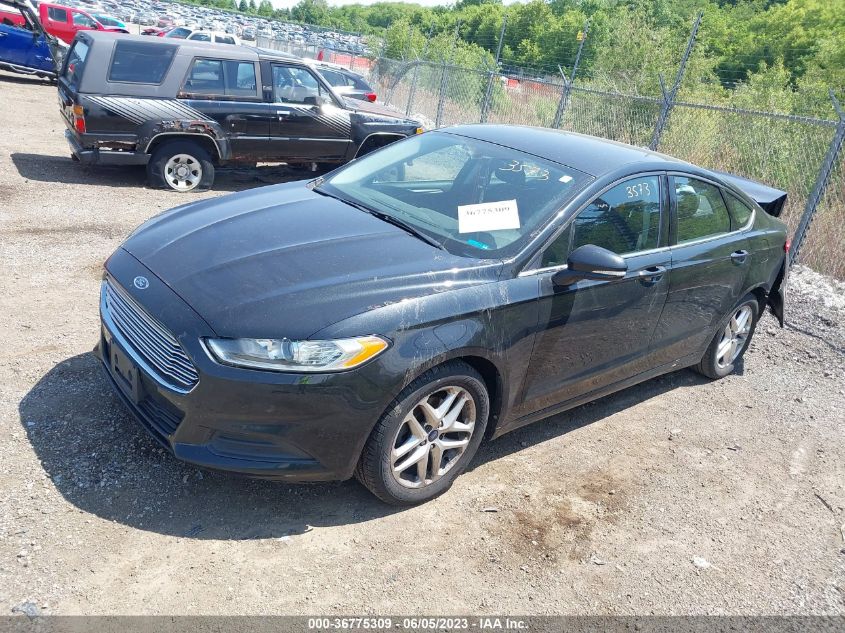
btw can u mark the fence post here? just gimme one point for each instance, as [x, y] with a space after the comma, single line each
[669, 97]
[488, 95]
[444, 79]
[567, 83]
[414, 79]
[822, 180]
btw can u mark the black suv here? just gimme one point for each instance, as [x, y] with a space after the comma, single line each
[180, 107]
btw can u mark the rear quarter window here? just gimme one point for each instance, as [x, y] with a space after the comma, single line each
[740, 212]
[75, 63]
[360, 84]
[139, 63]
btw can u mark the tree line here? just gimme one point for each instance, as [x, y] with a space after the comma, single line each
[781, 55]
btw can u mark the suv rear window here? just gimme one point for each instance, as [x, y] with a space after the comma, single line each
[140, 63]
[75, 63]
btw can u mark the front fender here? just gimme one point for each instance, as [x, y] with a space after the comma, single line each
[495, 321]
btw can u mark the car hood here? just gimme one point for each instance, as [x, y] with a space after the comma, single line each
[284, 261]
[367, 108]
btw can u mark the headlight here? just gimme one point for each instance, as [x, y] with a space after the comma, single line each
[300, 356]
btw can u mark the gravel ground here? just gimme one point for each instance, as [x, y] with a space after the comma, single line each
[678, 496]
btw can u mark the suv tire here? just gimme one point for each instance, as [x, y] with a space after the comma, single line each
[181, 166]
[434, 427]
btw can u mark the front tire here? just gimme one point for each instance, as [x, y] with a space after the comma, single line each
[731, 340]
[428, 435]
[181, 166]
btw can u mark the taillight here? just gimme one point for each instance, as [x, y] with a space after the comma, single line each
[79, 119]
[786, 245]
[371, 96]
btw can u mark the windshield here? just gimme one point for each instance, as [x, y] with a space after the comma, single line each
[477, 199]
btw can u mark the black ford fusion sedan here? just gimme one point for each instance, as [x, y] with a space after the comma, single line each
[385, 319]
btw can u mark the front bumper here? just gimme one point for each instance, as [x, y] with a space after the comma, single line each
[294, 427]
[97, 156]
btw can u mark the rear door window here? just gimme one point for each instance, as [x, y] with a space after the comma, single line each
[217, 77]
[700, 210]
[75, 63]
[57, 14]
[140, 63]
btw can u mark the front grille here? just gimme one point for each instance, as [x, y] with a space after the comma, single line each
[149, 339]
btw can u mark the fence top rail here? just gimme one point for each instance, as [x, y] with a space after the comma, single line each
[796, 118]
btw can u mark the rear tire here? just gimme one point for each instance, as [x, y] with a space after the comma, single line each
[427, 436]
[182, 166]
[731, 340]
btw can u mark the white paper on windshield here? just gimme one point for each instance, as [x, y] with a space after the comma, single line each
[488, 216]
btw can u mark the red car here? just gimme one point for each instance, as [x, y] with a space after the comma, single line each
[64, 22]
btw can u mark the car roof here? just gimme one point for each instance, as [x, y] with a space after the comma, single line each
[588, 154]
[195, 46]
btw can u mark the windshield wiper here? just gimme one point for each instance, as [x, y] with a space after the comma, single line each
[385, 217]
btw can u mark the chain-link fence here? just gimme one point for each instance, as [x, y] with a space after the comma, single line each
[797, 154]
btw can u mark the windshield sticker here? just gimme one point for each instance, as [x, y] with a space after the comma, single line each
[488, 216]
[478, 244]
[565, 178]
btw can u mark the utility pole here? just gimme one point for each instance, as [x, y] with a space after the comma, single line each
[567, 83]
[669, 97]
[488, 95]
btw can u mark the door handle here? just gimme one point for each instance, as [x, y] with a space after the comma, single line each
[282, 114]
[739, 257]
[652, 274]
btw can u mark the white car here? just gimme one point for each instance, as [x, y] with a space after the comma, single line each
[218, 37]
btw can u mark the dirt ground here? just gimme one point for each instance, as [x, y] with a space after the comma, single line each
[678, 496]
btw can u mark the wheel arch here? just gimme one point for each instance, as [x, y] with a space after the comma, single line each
[377, 140]
[494, 380]
[205, 141]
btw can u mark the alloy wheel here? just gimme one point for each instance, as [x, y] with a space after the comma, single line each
[433, 436]
[183, 172]
[734, 336]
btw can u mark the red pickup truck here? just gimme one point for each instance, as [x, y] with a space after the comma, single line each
[61, 22]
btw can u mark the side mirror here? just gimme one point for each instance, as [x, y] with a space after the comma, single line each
[315, 100]
[591, 262]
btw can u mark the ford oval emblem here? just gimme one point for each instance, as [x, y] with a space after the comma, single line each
[141, 283]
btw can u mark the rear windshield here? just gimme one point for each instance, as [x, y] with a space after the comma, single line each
[360, 84]
[140, 63]
[75, 63]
